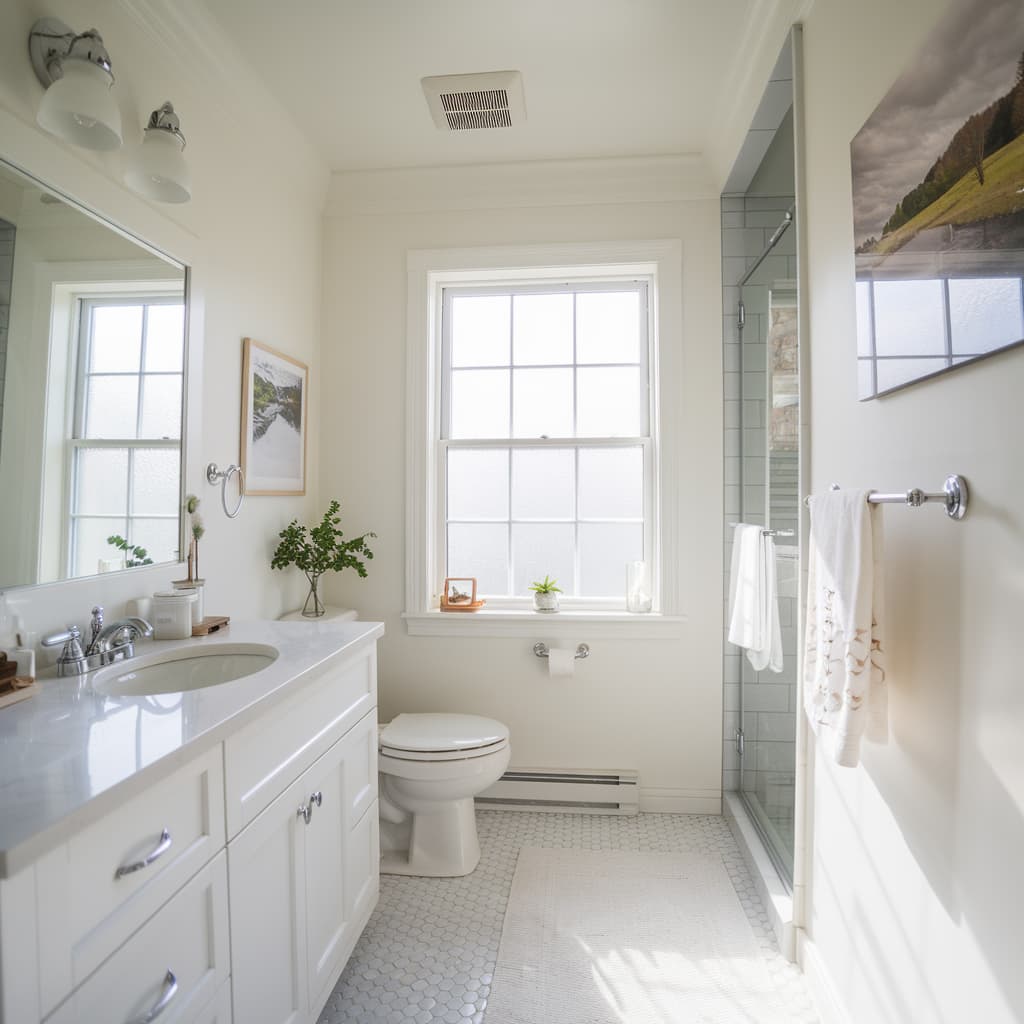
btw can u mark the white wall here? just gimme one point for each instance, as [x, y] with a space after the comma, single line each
[252, 234]
[916, 902]
[652, 705]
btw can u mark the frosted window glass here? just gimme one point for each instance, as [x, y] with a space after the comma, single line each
[478, 483]
[480, 550]
[102, 482]
[608, 402]
[155, 482]
[542, 329]
[909, 318]
[539, 550]
[608, 327]
[116, 345]
[984, 314]
[112, 407]
[863, 292]
[91, 543]
[158, 536]
[542, 403]
[481, 330]
[894, 372]
[479, 404]
[542, 483]
[605, 548]
[611, 483]
[165, 338]
[161, 407]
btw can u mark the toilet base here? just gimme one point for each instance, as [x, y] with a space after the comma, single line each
[442, 844]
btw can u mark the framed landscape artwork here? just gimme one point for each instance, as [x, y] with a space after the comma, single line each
[274, 405]
[938, 203]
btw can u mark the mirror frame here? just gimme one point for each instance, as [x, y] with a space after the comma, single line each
[86, 189]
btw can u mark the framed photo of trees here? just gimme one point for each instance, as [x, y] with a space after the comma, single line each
[275, 398]
[938, 203]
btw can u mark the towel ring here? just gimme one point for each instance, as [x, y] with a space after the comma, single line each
[213, 474]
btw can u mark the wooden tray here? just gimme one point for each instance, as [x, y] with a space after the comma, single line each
[474, 607]
[14, 696]
[211, 624]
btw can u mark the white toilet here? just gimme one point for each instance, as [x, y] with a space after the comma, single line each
[431, 766]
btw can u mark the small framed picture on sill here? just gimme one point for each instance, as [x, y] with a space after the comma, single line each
[459, 594]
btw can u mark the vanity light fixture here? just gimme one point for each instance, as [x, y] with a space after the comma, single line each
[156, 169]
[74, 68]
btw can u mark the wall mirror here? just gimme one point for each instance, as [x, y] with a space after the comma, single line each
[92, 373]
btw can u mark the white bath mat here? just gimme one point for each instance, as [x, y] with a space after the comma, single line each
[617, 937]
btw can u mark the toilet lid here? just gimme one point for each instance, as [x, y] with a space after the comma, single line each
[436, 733]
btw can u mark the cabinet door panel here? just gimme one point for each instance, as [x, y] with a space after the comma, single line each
[268, 927]
[336, 891]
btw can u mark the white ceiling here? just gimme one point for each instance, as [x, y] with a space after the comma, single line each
[602, 78]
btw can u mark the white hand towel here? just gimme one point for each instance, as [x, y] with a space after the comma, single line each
[754, 598]
[844, 678]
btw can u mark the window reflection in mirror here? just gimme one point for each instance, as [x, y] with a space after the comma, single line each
[92, 361]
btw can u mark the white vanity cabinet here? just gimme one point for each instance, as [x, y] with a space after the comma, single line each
[303, 882]
[231, 888]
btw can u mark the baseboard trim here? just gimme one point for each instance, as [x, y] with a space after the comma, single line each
[656, 800]
[819, 981]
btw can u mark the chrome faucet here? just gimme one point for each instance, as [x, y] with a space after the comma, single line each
[107, 644]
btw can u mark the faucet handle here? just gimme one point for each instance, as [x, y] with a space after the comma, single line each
[69, 635]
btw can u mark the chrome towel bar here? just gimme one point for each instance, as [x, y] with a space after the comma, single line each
[541, 650]
[953, 496]
[767, 532]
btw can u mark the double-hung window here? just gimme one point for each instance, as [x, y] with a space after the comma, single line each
[545, 454]
[538, 444]
[123, 455]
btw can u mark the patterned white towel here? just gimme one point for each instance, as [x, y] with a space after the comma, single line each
[844, 676]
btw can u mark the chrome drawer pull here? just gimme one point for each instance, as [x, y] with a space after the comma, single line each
[157, 852]
[170, 991]
[306, 810]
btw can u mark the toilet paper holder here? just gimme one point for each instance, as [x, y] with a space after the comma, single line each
[541, 650]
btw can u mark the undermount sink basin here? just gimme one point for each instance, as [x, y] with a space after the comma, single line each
[186, 668]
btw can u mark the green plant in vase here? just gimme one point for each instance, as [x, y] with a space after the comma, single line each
[319, 549]
[545, 594]
[133, 554]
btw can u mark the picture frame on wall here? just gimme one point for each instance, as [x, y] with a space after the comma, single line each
[275, 400]
[938, 204]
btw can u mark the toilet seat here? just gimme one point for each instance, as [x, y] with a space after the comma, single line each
[441, 737]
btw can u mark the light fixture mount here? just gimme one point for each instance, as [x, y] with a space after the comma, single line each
[164, 119]
[51, 41]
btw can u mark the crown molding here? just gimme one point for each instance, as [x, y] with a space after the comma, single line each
[660, 179]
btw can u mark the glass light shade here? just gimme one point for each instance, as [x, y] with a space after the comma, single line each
[157, 169]
[79, 107]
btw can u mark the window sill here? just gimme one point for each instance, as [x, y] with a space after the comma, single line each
[570, 625]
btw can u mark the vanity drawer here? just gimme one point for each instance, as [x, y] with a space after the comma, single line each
[94, 891]
[184, 948]
[264, 758]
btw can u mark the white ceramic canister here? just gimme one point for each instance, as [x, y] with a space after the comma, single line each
[172, 614]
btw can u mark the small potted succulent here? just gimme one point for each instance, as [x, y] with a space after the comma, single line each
[545, 594]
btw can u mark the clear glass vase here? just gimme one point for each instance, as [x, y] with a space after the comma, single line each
[313, 608]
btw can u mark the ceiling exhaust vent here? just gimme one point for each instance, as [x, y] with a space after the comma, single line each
[490, 100]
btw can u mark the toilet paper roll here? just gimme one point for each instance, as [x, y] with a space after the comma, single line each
[561, 661]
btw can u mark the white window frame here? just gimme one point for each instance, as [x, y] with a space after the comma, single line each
[429, 272]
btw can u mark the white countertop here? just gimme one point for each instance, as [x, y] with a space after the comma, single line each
[68, 755]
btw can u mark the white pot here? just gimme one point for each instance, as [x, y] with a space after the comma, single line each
[545, 602]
